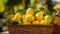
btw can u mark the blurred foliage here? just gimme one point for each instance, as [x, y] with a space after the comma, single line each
[1, 23]
[14, 2]
[5, 15]
[14, 6]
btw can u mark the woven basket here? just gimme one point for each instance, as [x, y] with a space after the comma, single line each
[31, 29]
[57, 29]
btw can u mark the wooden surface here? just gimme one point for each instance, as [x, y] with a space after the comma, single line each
[6, 32]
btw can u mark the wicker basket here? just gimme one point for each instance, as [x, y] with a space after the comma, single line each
[31, 29]
[57, 29]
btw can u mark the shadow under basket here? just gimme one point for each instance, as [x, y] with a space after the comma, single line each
[31, 29]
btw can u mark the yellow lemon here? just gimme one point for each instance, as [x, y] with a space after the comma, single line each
[35, 22]
[30, 18]
[30, 11]
[23, 17]
[43, 22]
[57, 20]
[17, 17]
[56, 7]
[26, 22]
[11, 17]
[39, 16]
[47, 17]
[42, 12]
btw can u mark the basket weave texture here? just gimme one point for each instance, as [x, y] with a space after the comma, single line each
[31, 29]
[57, 29]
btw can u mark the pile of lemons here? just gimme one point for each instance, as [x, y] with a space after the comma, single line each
[30, 17]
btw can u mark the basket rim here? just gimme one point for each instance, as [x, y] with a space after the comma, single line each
[31, 25]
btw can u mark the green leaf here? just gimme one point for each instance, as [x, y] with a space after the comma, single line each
[13, 23]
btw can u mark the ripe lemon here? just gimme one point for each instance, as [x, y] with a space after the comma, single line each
[30, 11]
[11, 17]
[36, 22]
[43, 22]
[39, 16]
[57, 20]
[23, 17]
[47, 17]
[30, 18]
[17, 17]
[42, 12]
[26, 22]
[56, 7]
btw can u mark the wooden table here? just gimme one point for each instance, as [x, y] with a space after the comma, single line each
[6, 32]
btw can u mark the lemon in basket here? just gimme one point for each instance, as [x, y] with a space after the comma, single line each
[48, 18]
[36, 22]
[17, 17]
[26, 22]
[30, 18]
[39, 16]
[11, 17]
[30, 11]
[57, 20]
[23, 17]
[43, 22]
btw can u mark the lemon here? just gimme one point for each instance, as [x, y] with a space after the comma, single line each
[39, 16]
[23, 17]
[26, 22]
[48, 18]
[17, 17]
[30, 11]
[43, 22]
[11, 17]
[57, 20]
[56, 7]
[42, 12]
[30, 18]
[36, 22]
